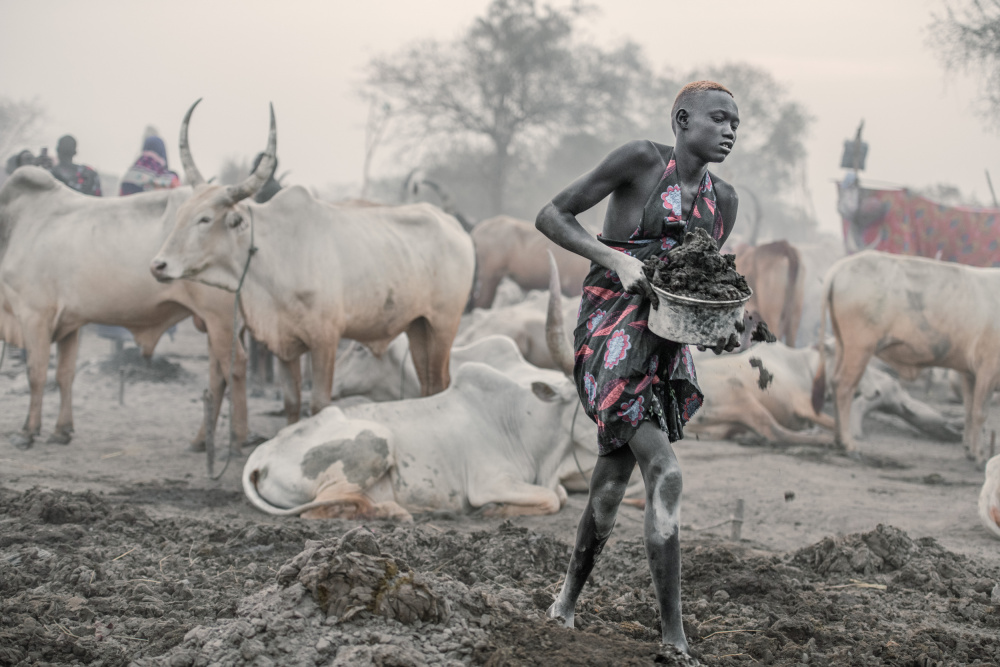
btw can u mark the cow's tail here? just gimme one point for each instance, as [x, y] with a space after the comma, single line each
[250, 475]
[794, 264]
[819, 381]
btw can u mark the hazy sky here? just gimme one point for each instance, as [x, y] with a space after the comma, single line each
[106, 69]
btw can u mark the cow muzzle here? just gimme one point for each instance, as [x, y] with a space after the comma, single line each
[158, 268]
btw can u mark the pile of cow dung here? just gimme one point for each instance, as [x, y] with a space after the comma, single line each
[93, 579]
[696, 269]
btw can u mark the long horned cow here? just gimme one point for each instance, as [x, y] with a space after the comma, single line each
[311, 273]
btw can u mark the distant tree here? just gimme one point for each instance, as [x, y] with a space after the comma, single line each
[234, 170]
[968, 37]
[20, 121]
[508, 89]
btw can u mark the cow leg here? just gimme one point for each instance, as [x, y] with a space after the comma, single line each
[520, 499]
[849, 367]
[66, 351]
[430, 349]
[217, 390]
[607, 488]
[36, 343]
[976, 415]
[291, 380]
[486, 288]
[323, 361]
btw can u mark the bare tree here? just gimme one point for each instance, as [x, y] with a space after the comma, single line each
[968, 37]
[20, 121]
[514, 82]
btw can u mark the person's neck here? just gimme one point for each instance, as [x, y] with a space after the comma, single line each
[690, 169]
[66, 163]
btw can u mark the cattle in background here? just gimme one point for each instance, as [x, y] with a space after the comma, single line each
[989, 497]
[504, 432]
[513, 248]
[777, 276]
[766, 392]
[912, 313]
[67, 260]
[313, 273]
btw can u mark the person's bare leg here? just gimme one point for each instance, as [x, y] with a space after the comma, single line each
[662, 475]
[607, 488]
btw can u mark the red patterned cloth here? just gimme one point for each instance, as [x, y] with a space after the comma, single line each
[907, 224]
[626, 374]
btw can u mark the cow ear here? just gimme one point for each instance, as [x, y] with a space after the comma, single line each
[544, 391]
[234, 220]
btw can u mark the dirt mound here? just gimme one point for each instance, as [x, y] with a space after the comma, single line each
[90, 579]
[696, 269]
[138, 368]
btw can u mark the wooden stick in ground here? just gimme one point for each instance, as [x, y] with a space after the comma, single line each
[121, 386]
[737, 521]
[206, 400]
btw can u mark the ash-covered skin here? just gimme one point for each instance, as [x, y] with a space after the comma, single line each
[696, 269]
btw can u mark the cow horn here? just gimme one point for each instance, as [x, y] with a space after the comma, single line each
[264, 170]
[555, 332]
[191, 173]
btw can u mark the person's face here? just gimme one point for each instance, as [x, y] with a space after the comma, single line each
[709, 128]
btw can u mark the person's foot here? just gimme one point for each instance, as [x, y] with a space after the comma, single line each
[559, 611]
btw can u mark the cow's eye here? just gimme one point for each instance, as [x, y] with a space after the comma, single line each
[204, 220]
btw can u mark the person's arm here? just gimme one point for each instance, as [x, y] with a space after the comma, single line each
[557, 219]
[729, 203]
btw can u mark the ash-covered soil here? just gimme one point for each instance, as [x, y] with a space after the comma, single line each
[137, 368]
[95, 579]
[696, 269]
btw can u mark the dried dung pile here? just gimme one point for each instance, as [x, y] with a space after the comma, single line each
[697, 270]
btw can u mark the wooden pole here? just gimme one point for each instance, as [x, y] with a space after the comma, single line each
[989, 182]
[206, 400]
[121, 386]
[737, 521]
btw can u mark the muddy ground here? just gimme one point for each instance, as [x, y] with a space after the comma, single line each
[117, 549]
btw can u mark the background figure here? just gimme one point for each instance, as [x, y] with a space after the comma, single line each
[261, 359]
[80, 177]
[19, 160]
[150, 171]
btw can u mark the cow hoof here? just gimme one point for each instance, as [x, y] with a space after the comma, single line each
[253, 440]
[22, 440]
[855, 455]
[197, 446]
[60, 438]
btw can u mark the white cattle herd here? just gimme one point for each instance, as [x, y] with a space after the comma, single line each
[492, 424]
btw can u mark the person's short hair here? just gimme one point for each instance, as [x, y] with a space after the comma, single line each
[66, 146]
[692, 89]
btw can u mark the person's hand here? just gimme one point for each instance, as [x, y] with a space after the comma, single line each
[634, 280]
[723, 345]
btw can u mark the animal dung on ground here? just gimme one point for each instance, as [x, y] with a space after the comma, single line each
[350, 576]
[764, 377]
[696, 269]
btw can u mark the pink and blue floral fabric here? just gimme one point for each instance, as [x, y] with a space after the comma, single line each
[624, 373]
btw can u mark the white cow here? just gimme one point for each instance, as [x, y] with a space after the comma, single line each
[502, 433]
[781, 410]
[313, 273]
[912, 313]
[67, 259]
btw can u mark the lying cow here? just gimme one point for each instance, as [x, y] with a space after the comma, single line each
[912, 313]
[502, 433]
[313, 273]
[766, 391]
[989, 497]
[67, 260]
[506, 246]
[777, 276]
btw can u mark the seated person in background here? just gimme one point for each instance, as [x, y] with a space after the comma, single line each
[150, 171]
[80, 177]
